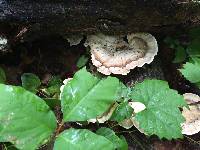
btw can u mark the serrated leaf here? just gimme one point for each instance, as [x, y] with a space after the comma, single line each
[25, 119]
[162, 116]
[191, 70]
[120, 144]
[86, 97]
[122, 112]
[30, 82]
[2, 76]
[81, 139]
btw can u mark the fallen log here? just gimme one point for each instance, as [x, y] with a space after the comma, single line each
[89, 16]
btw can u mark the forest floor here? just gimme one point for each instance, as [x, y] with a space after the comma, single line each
[52, 55]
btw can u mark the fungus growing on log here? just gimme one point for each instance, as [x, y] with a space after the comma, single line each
[3, 43]
[137, 106]
[113, 54]
[191, 98]
[192, 123]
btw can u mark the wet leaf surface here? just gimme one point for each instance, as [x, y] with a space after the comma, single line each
[77, 139]
[86, 96]
[25, 119]
[162, 116]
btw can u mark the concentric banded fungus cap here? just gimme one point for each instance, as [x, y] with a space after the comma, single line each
[112, 54]
[192, 123]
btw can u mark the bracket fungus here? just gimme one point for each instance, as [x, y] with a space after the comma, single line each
[3, 43]
[192, 123]
[114, 54]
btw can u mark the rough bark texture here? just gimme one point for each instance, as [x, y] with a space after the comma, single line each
[89, 16]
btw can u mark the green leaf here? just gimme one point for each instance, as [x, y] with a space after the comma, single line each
[191, 70]
[82, 61]
[124, 93]
[81, 139]
[54, 81]
[2, 76]
[30, 82]
[25, 119]
[52, 103]
[162, 116]
[86, 96]
[122, 112]
[180, 55]
[54, 85]
[194, 48]
[120, 144]
[124, 143]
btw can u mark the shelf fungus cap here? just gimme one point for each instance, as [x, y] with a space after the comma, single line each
[113, 54]
[192, 115]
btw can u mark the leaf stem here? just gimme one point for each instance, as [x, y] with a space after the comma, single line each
[59, 128]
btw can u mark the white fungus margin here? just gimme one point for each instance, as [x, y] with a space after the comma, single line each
[113, 54]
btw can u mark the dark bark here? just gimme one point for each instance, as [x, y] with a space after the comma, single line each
[89, 16]
[148, 71]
